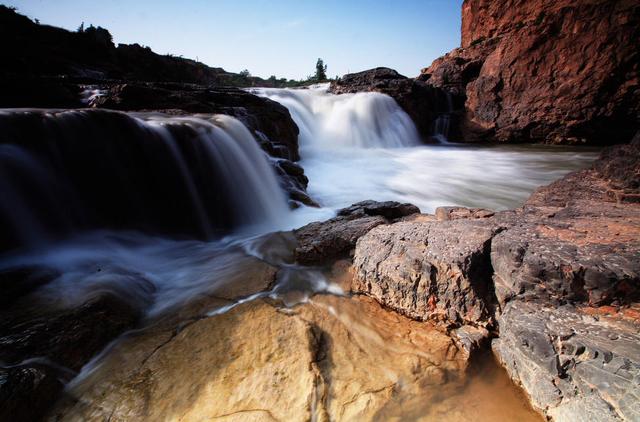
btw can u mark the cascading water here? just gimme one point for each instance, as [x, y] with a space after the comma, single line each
[363, 120]
[63, 172]
[349, 147]
[442, 123]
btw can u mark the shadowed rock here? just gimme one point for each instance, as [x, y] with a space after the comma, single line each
[320, 242]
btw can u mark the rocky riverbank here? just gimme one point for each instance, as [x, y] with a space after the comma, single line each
[558, 280]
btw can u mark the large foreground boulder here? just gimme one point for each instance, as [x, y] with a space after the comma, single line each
[429, 270]
[334, 358]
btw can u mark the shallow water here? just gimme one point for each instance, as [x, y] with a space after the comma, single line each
[498, 178]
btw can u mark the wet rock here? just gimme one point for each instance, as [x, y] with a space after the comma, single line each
[83, 184]
[574, 366]
[470, 340]
[302, 364]
[18, 282]
[294, 182]
[26, 393]
[43, 348]
[388, 209]
[67, 337]
[269, 121]
[507, 67]
[320, 242]
[437, 270]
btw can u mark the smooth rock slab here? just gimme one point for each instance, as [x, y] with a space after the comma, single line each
[332, 359]
[574, 366]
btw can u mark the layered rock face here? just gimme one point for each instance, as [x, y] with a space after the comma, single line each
[545, 71]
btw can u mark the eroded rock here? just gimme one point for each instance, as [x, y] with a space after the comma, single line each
[573, 365]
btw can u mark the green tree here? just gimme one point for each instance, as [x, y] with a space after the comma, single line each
[321, 71]
[245, 74]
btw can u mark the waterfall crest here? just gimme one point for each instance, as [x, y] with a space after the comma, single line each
[362, 120]
[65, 171]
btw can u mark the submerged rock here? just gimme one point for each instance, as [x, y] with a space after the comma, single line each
[332, 359]
[27, 392]
[43, 348]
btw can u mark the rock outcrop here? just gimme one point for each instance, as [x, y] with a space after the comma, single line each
[422, 102]
[575, 363]
[545, 71]
[33, 51]
[429, 270]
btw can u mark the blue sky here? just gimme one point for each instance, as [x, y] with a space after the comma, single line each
[272, 37]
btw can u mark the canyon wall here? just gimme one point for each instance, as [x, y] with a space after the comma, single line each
[545, 71]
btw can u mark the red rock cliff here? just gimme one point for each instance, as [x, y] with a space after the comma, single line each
[555, 71]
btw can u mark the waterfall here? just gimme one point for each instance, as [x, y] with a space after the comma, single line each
[442, 123]
[66, 171]
[362, 120]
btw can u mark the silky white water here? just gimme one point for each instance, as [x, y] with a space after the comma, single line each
[349, 158]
